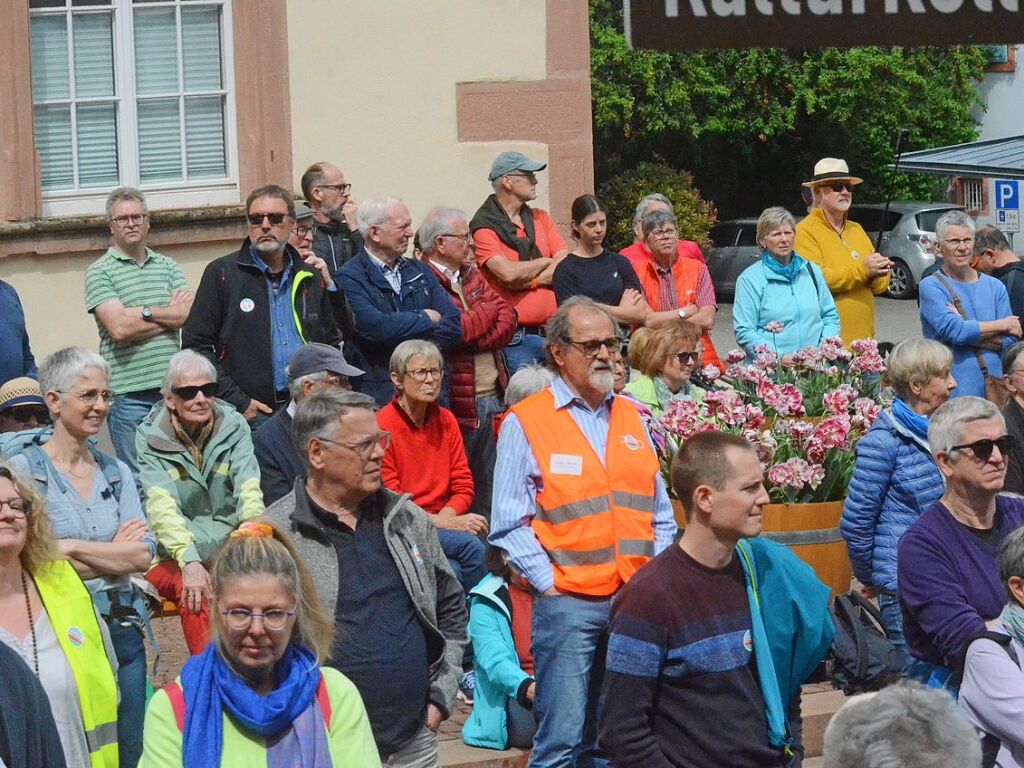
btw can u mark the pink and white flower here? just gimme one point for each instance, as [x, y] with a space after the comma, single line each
[711, 372]
[774, 326]
[735, 356]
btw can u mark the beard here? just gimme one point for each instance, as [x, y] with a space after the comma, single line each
[602, 379]
[269, 247]
[332, 212]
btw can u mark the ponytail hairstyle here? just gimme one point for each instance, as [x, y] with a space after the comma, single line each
[583, 206]
[263, 549]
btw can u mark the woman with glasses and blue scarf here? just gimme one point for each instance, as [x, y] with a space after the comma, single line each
[782, 301]
[257, 695]
[894, 477]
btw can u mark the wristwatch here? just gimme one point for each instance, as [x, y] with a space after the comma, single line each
[147, 314]
[682, 313]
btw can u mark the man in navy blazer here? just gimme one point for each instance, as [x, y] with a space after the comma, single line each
[393, 298]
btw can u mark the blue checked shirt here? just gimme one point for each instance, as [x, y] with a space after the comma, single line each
[517, 480]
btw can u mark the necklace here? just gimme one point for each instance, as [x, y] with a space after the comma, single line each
[70, 471]
[31, 623]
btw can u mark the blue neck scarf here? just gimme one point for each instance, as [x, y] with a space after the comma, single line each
[787, 272]
[909, 419]
[288, 717]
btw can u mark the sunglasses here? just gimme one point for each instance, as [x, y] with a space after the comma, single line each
[982, 449]
[190, 393]
[688, 358]
[23, 415]
[256, 219]
[839, 186]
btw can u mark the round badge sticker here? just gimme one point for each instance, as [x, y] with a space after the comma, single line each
[632, 443]
[75, 637]
[247, 305]
[855, 254]
[748, 642]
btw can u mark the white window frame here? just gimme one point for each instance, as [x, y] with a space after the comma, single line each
[159, 195]
[974, 192]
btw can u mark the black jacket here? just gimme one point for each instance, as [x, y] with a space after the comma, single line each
[238, 341]
[277, 456]
[335, 243]
[1011, 276]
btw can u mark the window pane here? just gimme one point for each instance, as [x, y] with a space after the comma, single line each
[159, 140]
[156, 51]
[53, 143]
[97, 145]
[46, 4]
[200, 37]
[50, 76]
[76, 3]
[94, 54]
[204, 137]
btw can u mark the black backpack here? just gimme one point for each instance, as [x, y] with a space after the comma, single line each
[862, 656]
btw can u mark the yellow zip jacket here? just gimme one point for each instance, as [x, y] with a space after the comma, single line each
[841, 258]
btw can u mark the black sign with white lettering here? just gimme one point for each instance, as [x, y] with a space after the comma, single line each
[674, 25]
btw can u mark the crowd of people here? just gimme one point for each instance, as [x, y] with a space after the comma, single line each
[372, 484]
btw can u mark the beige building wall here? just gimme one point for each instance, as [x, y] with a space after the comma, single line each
[383, 105]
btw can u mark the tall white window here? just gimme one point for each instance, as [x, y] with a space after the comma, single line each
[133, 92]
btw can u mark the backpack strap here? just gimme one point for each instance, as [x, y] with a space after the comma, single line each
[324, 701]
[177, 698]
[960, 310]
[849, 605]
[111, 472]
[814, 279]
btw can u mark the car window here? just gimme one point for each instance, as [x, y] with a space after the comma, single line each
[926, 219]
[723, 235]
[869, 218]
[748, 234]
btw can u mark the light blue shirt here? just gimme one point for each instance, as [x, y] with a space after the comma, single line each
[392, 273]
[284, 336]
[518, 480]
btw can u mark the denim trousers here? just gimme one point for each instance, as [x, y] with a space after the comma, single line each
[482, 453]
[124, 418]
[569, 640]
[892, 618]
[524, 349]
[126, 637]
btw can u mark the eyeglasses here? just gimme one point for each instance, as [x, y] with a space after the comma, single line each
[341, 189]
[593, 348]
[422, 374]
[840, 186]
[133, 218]
[24, 414]
[90, 397]
[190, 393]
[301, 230]
[19, 507]
[365, 448]
[960, 241]
[982, 449]
[689, 358]
[464, 238]
[274, 620]
[256, 219]
[664, 234]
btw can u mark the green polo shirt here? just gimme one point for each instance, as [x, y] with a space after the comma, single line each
[134, 365]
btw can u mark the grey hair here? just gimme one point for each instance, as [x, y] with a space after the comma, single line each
[318, 414]
[655, 219]
[373, 212]
[556, 332]
[773, 218]
[63, 368]
[1010, 357]
[186, 361]
[988, 237]
[121, 194]
[654, 197]
[946, 425]
[407, 350]
[917, 360]
[953, 219]
[1011, 556]
[528, 380]
[905, 725]
[437, 222]
[295, 385]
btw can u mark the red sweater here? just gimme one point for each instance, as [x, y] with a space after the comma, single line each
[428, 462]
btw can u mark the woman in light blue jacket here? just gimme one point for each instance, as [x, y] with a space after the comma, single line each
[782, 289]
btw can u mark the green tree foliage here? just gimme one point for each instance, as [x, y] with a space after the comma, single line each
[750, 124]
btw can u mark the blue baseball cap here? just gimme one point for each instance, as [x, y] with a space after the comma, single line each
[507, 162]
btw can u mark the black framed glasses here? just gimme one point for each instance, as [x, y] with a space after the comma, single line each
[274, 620]
[341, 189]
[982, 449]
[840, 186]
[422, 374]
[301, 230]
[593, 348]
[19, 507]
[190, 393]
[256, 219]
[133, 218]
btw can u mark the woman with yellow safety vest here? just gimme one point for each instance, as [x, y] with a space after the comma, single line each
[48, 618]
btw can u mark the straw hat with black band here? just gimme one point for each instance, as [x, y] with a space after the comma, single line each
[832, 169]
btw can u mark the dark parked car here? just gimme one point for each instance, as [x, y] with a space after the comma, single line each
[732, 250]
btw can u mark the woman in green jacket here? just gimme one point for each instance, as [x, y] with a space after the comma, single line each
[663, 361]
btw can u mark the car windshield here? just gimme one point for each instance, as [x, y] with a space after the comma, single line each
[926, 219]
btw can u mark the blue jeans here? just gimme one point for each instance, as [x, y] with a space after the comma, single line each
[124, 418]
[131, 680]
[569, 640]
[524, 349]
[892, 618]
[465, 553]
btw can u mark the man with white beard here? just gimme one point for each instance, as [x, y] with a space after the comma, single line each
[579, 505]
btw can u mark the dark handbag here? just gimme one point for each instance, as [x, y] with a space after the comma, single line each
[862, 657]
[995, 389]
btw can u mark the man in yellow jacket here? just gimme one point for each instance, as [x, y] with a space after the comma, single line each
[854, 271]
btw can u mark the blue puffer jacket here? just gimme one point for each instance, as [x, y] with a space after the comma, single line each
[894, 481]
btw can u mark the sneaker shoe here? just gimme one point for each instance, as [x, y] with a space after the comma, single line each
[466, 685]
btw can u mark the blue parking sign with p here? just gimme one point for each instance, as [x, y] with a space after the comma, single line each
[1007, 193]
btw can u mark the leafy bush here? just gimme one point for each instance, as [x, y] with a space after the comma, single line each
[622, 193]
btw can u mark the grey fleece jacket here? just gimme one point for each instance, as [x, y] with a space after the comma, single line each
[436, 594]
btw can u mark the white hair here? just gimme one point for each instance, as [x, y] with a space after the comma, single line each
[436, 223]
[528, 380]
[654, 197]
[373, 212]
[946, 425]
[63, 368]
[186, 361]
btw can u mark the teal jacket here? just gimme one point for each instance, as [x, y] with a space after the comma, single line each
[790, 622]
[498, 675]
[805, 307]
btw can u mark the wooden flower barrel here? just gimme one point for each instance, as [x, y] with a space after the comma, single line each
[812, 532]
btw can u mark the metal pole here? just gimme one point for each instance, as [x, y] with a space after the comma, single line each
[901, 144]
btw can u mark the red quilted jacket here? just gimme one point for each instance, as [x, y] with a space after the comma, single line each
[488, 324]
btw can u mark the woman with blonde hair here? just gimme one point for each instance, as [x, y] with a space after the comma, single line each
[257, 695]
[664, 360]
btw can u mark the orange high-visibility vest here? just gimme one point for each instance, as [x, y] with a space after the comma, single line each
[594, 520]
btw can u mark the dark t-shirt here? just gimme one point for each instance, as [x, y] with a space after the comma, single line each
[680, 686]
[602, 278]
[379, 643]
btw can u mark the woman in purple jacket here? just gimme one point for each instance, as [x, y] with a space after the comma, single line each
[949, 585]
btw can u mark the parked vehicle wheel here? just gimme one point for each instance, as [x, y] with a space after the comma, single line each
[901, 281]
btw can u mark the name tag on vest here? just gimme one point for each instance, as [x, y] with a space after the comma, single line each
[566, 464]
